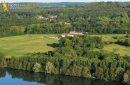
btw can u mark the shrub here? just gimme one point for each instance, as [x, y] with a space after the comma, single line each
[37, 67]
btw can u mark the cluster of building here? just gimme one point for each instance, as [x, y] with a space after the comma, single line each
[72, 34]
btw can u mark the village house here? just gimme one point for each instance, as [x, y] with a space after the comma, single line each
[41, 17]
[72, 34]
[52, 17]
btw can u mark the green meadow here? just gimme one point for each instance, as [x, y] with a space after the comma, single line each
[23, 44]
[113, 47]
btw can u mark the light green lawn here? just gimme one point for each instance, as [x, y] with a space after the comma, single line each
[109, 37]
[20, 45]
[119, 49]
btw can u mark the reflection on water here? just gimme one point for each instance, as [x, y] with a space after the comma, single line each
[16, 77]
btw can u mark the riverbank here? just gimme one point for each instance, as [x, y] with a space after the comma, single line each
[11, 76]
[77, 67]
[77, 56]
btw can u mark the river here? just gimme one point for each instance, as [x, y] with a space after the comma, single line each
[18, 77]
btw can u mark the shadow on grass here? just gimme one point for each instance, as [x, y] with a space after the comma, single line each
[121, 43]
[54, 45]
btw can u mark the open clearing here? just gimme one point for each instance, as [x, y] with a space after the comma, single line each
[20, 45]
[113, 47]
[23, 44]
[119, 49]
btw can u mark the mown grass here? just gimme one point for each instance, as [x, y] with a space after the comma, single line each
[109, 37]
[20, 45]
[23, 44]
[118, 49]
[113, 47]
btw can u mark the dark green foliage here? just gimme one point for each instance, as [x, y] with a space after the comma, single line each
[110, 17]
[77, 56]
[66, 60]
[109, 68]
[81, 46]
[124, 41]
[127, 42]
[2, 60]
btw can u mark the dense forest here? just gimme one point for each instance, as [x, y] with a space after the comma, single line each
[103, 17]
[74, 56]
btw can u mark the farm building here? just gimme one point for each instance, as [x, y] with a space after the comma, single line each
[72, 34]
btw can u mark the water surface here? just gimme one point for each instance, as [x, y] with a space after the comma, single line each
[17, 77]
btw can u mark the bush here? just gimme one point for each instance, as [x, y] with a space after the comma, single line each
[127, 42]
[127, 77]
[86, 72]
[50, 68]
[37, 67]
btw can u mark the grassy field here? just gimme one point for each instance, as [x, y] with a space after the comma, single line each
[119, 49]
[109, 37]
[19, 45]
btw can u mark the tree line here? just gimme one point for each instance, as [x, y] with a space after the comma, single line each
[73, 58]
[109, 17]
